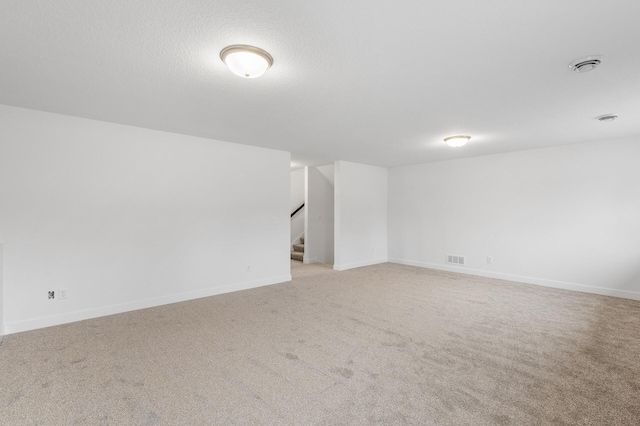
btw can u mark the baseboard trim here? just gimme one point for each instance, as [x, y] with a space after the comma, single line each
[524, 279]
[36, 323]
[346, 266]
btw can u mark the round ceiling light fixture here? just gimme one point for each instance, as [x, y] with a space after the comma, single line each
[586, 64]
[456, 141]
[607, 117]
[246, 61]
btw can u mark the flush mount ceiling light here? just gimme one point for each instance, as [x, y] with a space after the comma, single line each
[585, 64]
[456, 141]
[246, 61]
[607, 117]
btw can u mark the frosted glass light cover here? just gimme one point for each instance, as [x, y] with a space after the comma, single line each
[456, 141]
[246, 61]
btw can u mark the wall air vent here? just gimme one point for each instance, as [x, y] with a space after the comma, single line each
[585, 64]
[455, 260]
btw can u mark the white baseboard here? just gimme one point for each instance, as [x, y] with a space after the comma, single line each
[33, 324]
[344, 267]
[309, 259]
[523, 279]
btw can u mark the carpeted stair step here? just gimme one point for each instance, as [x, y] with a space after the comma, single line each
[298, 250]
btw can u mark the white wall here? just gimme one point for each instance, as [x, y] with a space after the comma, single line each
[319, 216]
[328, 172]
[566, 217]
[127, 218]
[297, 189]
[360, 215]
[1, 293]
[297, 198]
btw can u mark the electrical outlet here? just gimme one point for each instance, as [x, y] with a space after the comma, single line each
[489, 259]
[52, 294]
[62, 293]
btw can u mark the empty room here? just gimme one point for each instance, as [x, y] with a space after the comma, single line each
[280, 212]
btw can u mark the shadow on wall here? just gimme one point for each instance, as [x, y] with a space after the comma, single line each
[633, 280]
[319, 215]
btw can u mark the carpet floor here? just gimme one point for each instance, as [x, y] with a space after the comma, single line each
[385, 344]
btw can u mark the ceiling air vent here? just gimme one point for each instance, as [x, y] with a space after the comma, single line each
[607, 117]
[585, 64]
[455, 260]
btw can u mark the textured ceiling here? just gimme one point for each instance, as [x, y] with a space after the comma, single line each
[367, 81]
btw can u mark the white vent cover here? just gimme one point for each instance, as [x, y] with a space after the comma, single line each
[607, 117]
[585, 64]
[455, 260]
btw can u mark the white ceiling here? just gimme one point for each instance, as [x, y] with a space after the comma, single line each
[376, 82]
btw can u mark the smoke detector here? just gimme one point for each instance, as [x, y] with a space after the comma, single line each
[585, 64]
[607, 117]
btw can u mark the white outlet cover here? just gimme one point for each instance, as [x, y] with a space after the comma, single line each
[62, 293]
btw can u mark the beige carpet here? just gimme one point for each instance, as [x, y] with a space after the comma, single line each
[385, 344]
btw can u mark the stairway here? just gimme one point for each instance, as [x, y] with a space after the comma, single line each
[298, 250]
